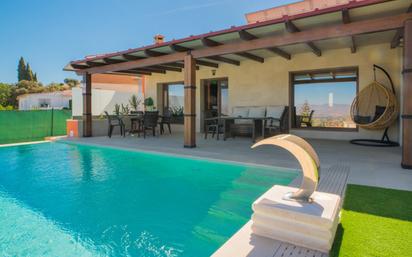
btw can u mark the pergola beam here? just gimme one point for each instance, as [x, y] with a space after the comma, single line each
[252, 57]
[175, 64]
[95, 64]
[244, 35]
[178, 48]
[151, 69]
[280, 52]
[323, 33]
[137, 72]
[211, 43]
[167, 68]
[396, 40]
[291, 28]
[345, 16]
[224, 59]
[130, 57]
[353, 46]
[207, 64]
[79, 66]
[112, 61]
[346, 20]
[151, 53]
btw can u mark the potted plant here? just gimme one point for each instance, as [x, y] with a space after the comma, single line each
[116, 109]
[134, 102]
[177, 114]
[125, 109]
[149, 104]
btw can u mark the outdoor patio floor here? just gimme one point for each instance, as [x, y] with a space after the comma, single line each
[371, 166]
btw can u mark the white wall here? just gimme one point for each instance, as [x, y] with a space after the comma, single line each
[102, 100]
[32, 101]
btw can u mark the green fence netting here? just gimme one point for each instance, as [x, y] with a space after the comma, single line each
[22, 126]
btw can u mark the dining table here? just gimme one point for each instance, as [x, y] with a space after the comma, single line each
[258, 126]
[136, 121]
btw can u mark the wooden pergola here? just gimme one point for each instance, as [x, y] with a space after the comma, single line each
[392, 20]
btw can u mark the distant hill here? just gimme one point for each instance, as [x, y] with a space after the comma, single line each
[338, 110]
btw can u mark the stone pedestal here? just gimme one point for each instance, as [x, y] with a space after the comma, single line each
[311, 225]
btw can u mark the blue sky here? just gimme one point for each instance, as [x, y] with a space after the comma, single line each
[50, 33]
[318, 93]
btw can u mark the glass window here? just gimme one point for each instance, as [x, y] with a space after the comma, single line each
[174, 101]
[224, 91]
[44, 103]
[324, 101]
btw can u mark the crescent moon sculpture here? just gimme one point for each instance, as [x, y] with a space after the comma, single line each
[307, 158]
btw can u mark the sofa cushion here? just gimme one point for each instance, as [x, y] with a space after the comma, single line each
[240, 112]
[275, 111]
[257, 112]
[243, 122]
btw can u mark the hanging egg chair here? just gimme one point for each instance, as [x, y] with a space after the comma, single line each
[376, 108]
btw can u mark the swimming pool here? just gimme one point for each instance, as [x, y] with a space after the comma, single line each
[59, 199]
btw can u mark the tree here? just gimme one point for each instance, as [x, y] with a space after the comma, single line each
[53, 87]
[305, 111]
[21, 70]
[24, 71]
[29, 73]
[5, 94]
[72, 82]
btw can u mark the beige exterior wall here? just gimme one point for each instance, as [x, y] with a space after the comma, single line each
[254, 84]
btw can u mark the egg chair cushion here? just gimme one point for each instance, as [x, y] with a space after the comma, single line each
[379, 111]
[358, 119]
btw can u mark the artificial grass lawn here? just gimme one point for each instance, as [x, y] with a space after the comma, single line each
[375, 222]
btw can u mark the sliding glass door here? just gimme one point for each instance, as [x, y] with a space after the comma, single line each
[216, 97]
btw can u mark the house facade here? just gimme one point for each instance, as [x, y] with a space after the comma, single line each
[56, 100]
[312, 57]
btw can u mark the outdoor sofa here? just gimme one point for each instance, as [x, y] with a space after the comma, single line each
[273, 119]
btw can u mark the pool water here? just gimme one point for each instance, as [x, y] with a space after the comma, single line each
[59, 199]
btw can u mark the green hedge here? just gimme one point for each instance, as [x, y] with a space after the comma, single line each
[23, 126]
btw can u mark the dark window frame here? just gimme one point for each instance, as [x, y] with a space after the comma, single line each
[293, 82]
[204, 84]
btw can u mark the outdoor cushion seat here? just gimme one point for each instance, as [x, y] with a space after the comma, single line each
[274, 112]
[257, 112]
[245, 126]
[242, 112]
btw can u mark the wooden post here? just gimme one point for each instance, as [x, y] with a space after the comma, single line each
[87, 106]
[407, 96]
[190, 102]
